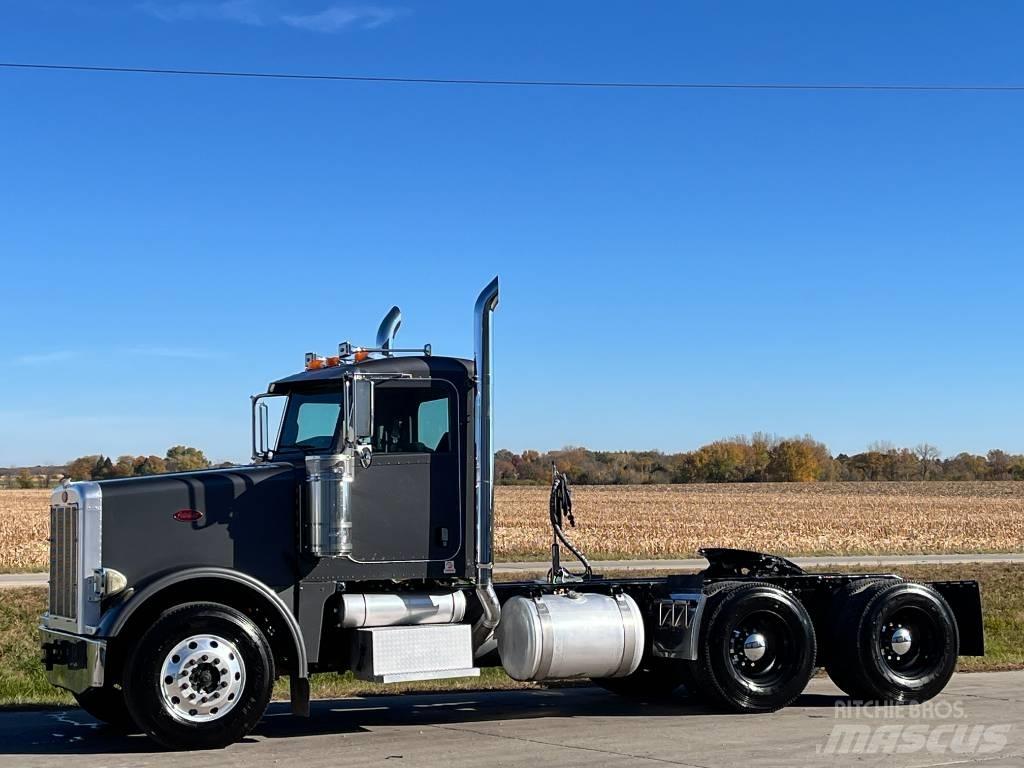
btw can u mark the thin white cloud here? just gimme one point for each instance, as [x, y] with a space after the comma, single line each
[260, 13]
[248, 12]
[64, 355]
[338, 17]
[45, 358]
[177, 353]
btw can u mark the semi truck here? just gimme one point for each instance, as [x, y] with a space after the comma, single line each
[360, 539]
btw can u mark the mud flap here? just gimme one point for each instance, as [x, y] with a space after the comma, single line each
[299, 695]
[964, 597]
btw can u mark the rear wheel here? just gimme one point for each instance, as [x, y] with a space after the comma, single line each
[757, 648]
[200, 677]
[107, 704]
[893, 641]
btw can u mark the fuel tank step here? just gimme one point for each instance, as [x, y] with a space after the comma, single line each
[418, 652]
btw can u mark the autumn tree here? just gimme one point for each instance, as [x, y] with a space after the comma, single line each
[793, 461]
[125, 466]
[183, 458]
[1000, 465]
[151, 465]
[927, 454]
[82, 467]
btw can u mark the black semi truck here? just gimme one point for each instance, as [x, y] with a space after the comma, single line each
[360, 539]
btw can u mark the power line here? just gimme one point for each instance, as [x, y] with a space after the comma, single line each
[921, 87]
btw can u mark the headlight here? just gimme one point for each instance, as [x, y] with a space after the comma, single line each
[112, 581]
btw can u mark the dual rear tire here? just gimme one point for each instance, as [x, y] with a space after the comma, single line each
[888, 641]
[891, 641]
[757, 648]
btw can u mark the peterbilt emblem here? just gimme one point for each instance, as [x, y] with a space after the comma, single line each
[187, 515]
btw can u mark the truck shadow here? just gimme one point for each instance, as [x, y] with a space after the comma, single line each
[455, 709]
[71, 732]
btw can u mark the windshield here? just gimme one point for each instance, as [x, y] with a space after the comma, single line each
[310, 420]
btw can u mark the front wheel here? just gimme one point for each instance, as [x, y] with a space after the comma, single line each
[200, 677]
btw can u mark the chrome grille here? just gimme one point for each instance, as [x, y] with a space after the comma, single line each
[64, 561]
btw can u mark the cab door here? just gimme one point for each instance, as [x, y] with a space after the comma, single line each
[407, 504]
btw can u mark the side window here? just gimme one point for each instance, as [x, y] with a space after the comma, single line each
[412, 419]
[432, 424]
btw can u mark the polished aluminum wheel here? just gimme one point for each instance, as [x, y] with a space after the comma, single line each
[202, 678]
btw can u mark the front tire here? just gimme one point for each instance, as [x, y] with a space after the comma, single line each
[200, 678]
[757, 648]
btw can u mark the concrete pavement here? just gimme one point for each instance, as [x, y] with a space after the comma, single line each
[978, 720]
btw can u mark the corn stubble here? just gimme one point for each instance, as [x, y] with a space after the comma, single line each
[658, 521]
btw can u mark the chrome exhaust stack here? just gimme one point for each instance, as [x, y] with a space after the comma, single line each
[387, 331]
[483, 630]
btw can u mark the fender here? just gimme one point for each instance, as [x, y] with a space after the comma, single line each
[114, 620]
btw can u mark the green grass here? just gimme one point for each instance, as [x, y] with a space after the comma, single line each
[22, 681]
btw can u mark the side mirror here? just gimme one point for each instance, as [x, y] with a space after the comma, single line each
[361, 412]
[261, 447]
[264, 418]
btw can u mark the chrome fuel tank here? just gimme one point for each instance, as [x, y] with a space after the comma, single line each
[570, 635]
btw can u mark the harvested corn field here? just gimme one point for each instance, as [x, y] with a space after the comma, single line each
[655, 521]
[658, 521]
[24, 529]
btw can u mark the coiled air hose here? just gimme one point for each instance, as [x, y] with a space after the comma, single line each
[560, 508]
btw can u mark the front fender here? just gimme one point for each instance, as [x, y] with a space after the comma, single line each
[117, 616]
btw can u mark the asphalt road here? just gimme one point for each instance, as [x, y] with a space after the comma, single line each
[535, 566]
[978, 720]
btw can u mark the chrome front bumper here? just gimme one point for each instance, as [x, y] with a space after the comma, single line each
[72, 661]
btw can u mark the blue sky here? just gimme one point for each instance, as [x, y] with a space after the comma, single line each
[676, 266]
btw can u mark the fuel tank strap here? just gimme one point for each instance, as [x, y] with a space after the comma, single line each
[629, 635]
[547, 646]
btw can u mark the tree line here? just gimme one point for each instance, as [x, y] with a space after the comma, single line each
[759, 458]
[179, 458]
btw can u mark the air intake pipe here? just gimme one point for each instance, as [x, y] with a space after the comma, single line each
[483, 630]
